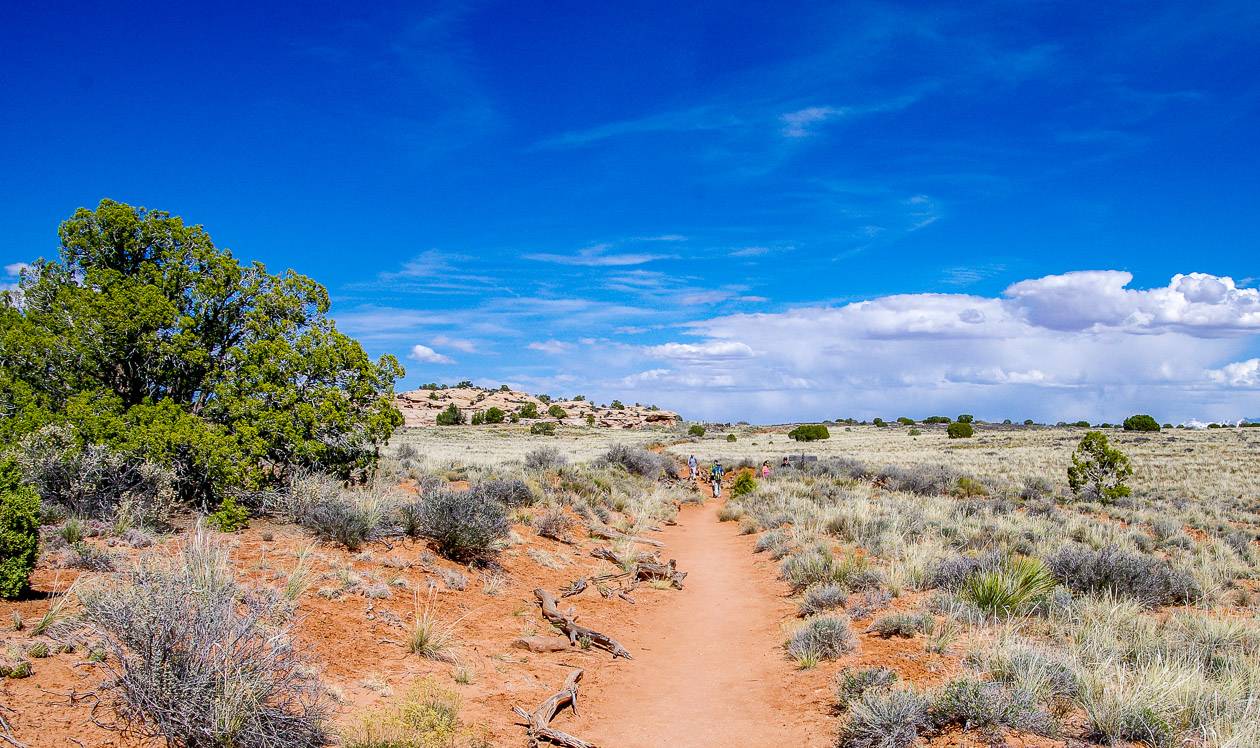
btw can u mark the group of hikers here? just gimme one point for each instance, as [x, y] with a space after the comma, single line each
[717, 472]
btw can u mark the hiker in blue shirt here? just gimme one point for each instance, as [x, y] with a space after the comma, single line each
[715, 475]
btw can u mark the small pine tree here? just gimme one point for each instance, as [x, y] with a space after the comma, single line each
[556, 411]
[451, 416]
[478, 418]
[1098, 470]
[494, 415]
[966, 418]
[616, 405]
[695, 429]
[529, 410]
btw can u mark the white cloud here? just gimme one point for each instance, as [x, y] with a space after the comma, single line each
[1077, 345]
[750, 251]
[1238, 374]
[799, 124]
[550, 346]
[13, 273]
[428, 355]
[597, 255]
[459, 344]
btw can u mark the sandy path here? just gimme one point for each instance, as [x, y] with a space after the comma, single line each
[707, 669]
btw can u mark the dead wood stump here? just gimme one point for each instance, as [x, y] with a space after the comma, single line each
[538, 727]
[566, 622]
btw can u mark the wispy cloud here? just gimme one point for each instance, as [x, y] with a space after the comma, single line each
[800, 124]
[696, 119]
[550, 346]
[597, 255]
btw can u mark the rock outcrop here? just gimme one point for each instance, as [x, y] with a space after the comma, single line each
[421, 407]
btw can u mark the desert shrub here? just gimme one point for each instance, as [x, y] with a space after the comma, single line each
[904, 625]
[543, 428]
[92, 480]
[1150, 581]
[905, 421]
[1141, 422]
[229, 517]
[554, 524]
[200, 661]
[730, 513]
[960, 430]
[937, 419]
[1098, 471]
[450, 416]
[914, 432]
[349, 518]
[19, 532]
[771, 539]
[510, 492]
[820, 598]
[544, 458]
[870, 602]
[528, 410]
[90, 558]
[635, 460]
[825, 637]
[731, 438]
[695, 429]
[463, 525]
[853, 684]
[744, 483]
[493, 415]
[555, 411]
[809, 433]
[817, 564]
[968, 487]
[1015, 587]
[1035, 489]
[925, 480]
[885, 719]
[427, 717]
[987, 705]
[951, 573]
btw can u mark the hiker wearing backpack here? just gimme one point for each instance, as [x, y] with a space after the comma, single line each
[715, 475]
[693, 469]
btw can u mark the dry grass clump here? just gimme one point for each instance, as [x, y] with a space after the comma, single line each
[824, 637]
[427, 717]
[198, 660]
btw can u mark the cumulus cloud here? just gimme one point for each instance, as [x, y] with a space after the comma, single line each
[1238, 374]
[428, 355]
[1078, 344]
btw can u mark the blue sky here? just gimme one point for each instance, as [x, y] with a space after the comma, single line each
[760, 211]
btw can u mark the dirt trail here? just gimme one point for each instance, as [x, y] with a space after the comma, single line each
[707, 670]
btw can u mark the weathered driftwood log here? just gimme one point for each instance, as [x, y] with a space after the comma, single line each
[566, 622]
[606, 554]
[669, 571]
[576, 587]
[539, 729]
[604, 532]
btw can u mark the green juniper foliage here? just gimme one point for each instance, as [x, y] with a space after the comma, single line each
[147, 338]
[1098, 471]
[19, 532]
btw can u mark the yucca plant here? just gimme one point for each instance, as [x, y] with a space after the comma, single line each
[1013, 588]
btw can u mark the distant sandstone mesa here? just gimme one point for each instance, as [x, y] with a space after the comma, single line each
[421, 407]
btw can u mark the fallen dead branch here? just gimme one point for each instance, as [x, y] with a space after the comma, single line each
[567, 622]
[604, 532]
[539, 729]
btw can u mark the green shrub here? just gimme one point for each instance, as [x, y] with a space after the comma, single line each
[616, 405]
[528, 410]
[965, 418]
[960, 430]
[809, 433]
[968, 487]
[494, 415]
[730, 438]
[428, 717]
[544, 428]
[853, 684]
[914, 432]
[451, 416]
[477, 419]
[229, 517]
[1098, 471]
[879, 422]
[1141, 422]
[744, 483]
[19, 532]
[556, 411]
[1013, 588]
[936, 419]
[904, 421]
[695, 429]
